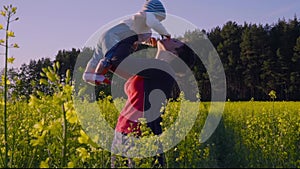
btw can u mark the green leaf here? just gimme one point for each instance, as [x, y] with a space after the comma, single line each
[51, 76]
[42, 74]
[44, 69]
[50, 69]
[57, 64]
[68, 76]
[44, 81]
[40, 93]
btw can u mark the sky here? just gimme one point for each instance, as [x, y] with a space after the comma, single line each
[47, 26]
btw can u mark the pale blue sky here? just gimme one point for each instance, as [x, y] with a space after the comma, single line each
[47, 26]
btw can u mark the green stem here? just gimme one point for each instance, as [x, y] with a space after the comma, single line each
[5, 96]
[64, 148]
[1, 157]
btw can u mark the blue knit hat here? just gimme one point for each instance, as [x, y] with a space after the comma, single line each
[156, 7]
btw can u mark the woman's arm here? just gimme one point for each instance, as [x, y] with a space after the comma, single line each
[143, 67]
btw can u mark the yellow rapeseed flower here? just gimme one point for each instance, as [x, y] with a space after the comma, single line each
[10, 60]
[10, 34]
[84, 138]
[70, 164]
[16, 46]
[14, 9]
[45, 164]
[3, 13]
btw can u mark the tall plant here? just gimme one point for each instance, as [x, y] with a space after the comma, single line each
[8, 13]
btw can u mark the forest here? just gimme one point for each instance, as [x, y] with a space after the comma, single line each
[256, 58]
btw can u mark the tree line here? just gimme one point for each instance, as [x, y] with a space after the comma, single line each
[256, 59]
[259, 58]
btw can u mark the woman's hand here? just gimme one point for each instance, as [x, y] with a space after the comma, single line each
[150, 42]
[153, 42]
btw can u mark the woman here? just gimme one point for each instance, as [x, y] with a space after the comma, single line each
[159, 75]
